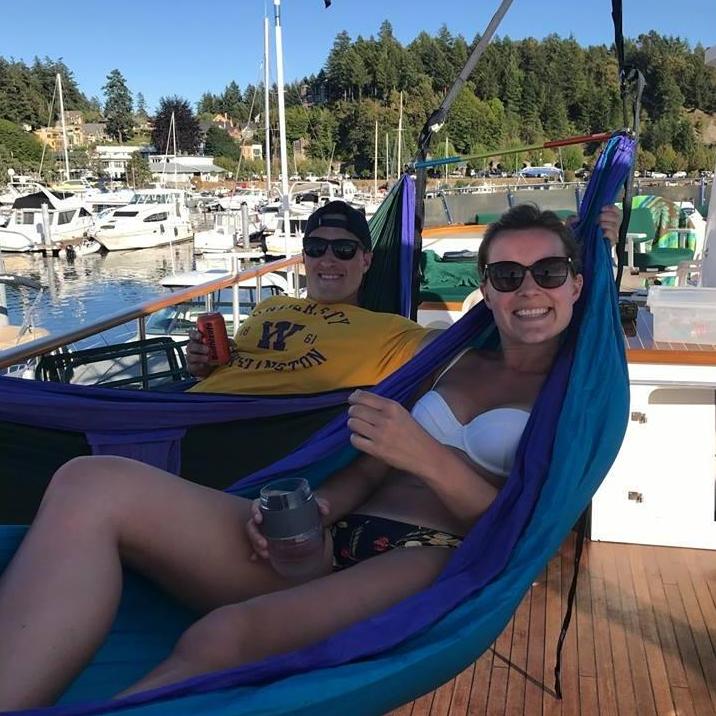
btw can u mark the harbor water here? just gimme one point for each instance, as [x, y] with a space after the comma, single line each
[79, 292]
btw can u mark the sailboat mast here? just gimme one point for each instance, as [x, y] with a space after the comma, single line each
[282, 125]
[174, 141]
[267, 123]
[64, 129]
[375, 162]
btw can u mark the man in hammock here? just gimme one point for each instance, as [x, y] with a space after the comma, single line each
[393, 516]
[325, 341]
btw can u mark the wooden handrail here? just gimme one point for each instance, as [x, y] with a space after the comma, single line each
[20, 354]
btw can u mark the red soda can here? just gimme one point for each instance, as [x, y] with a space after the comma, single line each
[213, 330]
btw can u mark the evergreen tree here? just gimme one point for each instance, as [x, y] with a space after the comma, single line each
[137, 173]
[118, 106]
[141, 106]
[232, 102]
[219, 143]
[208, 104]
[187, 127]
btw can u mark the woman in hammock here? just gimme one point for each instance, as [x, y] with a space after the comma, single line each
[424, 479]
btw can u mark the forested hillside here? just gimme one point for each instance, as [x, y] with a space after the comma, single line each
[521, 92]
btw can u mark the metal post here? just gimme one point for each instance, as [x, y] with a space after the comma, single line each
[4, 320]
[246, 242]
[142, 330]
[267, 123]
[236, 269]
[282, 128]
[46, 228]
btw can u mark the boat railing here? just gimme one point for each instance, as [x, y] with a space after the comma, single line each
[25, 353]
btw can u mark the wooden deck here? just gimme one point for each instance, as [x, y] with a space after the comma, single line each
[642, 641]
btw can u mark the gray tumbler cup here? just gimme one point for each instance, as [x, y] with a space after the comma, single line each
[292, 526]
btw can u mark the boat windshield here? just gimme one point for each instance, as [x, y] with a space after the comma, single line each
[151, 199]
[179, 319]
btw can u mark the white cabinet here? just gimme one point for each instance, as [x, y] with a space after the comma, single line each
[662, 487]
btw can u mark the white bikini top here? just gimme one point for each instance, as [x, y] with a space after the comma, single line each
[490, 439]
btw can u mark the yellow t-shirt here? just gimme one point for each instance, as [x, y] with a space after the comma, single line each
[294, 345]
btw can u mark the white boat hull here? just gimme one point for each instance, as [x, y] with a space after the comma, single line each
[118, 240]
[12, 239]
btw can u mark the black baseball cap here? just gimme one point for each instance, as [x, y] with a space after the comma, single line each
[341, 215]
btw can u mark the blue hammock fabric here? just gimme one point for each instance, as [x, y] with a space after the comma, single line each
[573, 435]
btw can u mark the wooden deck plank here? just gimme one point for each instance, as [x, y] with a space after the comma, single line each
[536, 646]
[648, 612]
[684, 631]
[683, 702]
[700, 563]
[699, 630]
[552, 706]
[442, 699]
[643, 693]
[626, 701]
[500, 671]
[461, 693]
[570, 655]
[588, 698]
[606, 688]
[665, 628]
[655, 663]
[515, 702]
[584, 622]
[481, 684]
[422, 706]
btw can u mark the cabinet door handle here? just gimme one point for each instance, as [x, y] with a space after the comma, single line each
[638, 417]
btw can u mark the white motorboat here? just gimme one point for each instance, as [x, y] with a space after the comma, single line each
[227, 232]
[67, 220]
[251, 197]
[88, 246]
[153, 217]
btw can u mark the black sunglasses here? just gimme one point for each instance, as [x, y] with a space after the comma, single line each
[550, 272]
[343, 249]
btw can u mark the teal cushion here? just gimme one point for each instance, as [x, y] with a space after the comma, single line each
[661, 258]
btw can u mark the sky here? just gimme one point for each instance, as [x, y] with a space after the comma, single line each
[186, 47]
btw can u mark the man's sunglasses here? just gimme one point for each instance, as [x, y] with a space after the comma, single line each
[343, 249]
[550, 272]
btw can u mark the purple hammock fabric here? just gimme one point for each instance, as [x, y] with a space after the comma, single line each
[159, 420]
[501, 525]
[474, 565]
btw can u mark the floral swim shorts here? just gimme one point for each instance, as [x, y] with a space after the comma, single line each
[358, 537]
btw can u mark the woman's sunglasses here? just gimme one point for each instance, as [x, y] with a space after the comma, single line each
[343, 249]
[550, 272]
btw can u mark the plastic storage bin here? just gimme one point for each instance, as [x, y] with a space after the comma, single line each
[683, 314]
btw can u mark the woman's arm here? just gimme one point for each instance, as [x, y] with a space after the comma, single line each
[350, 487]
[385, 430]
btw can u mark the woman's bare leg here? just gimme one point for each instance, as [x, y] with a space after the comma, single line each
[59, 595]
[293, 618]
